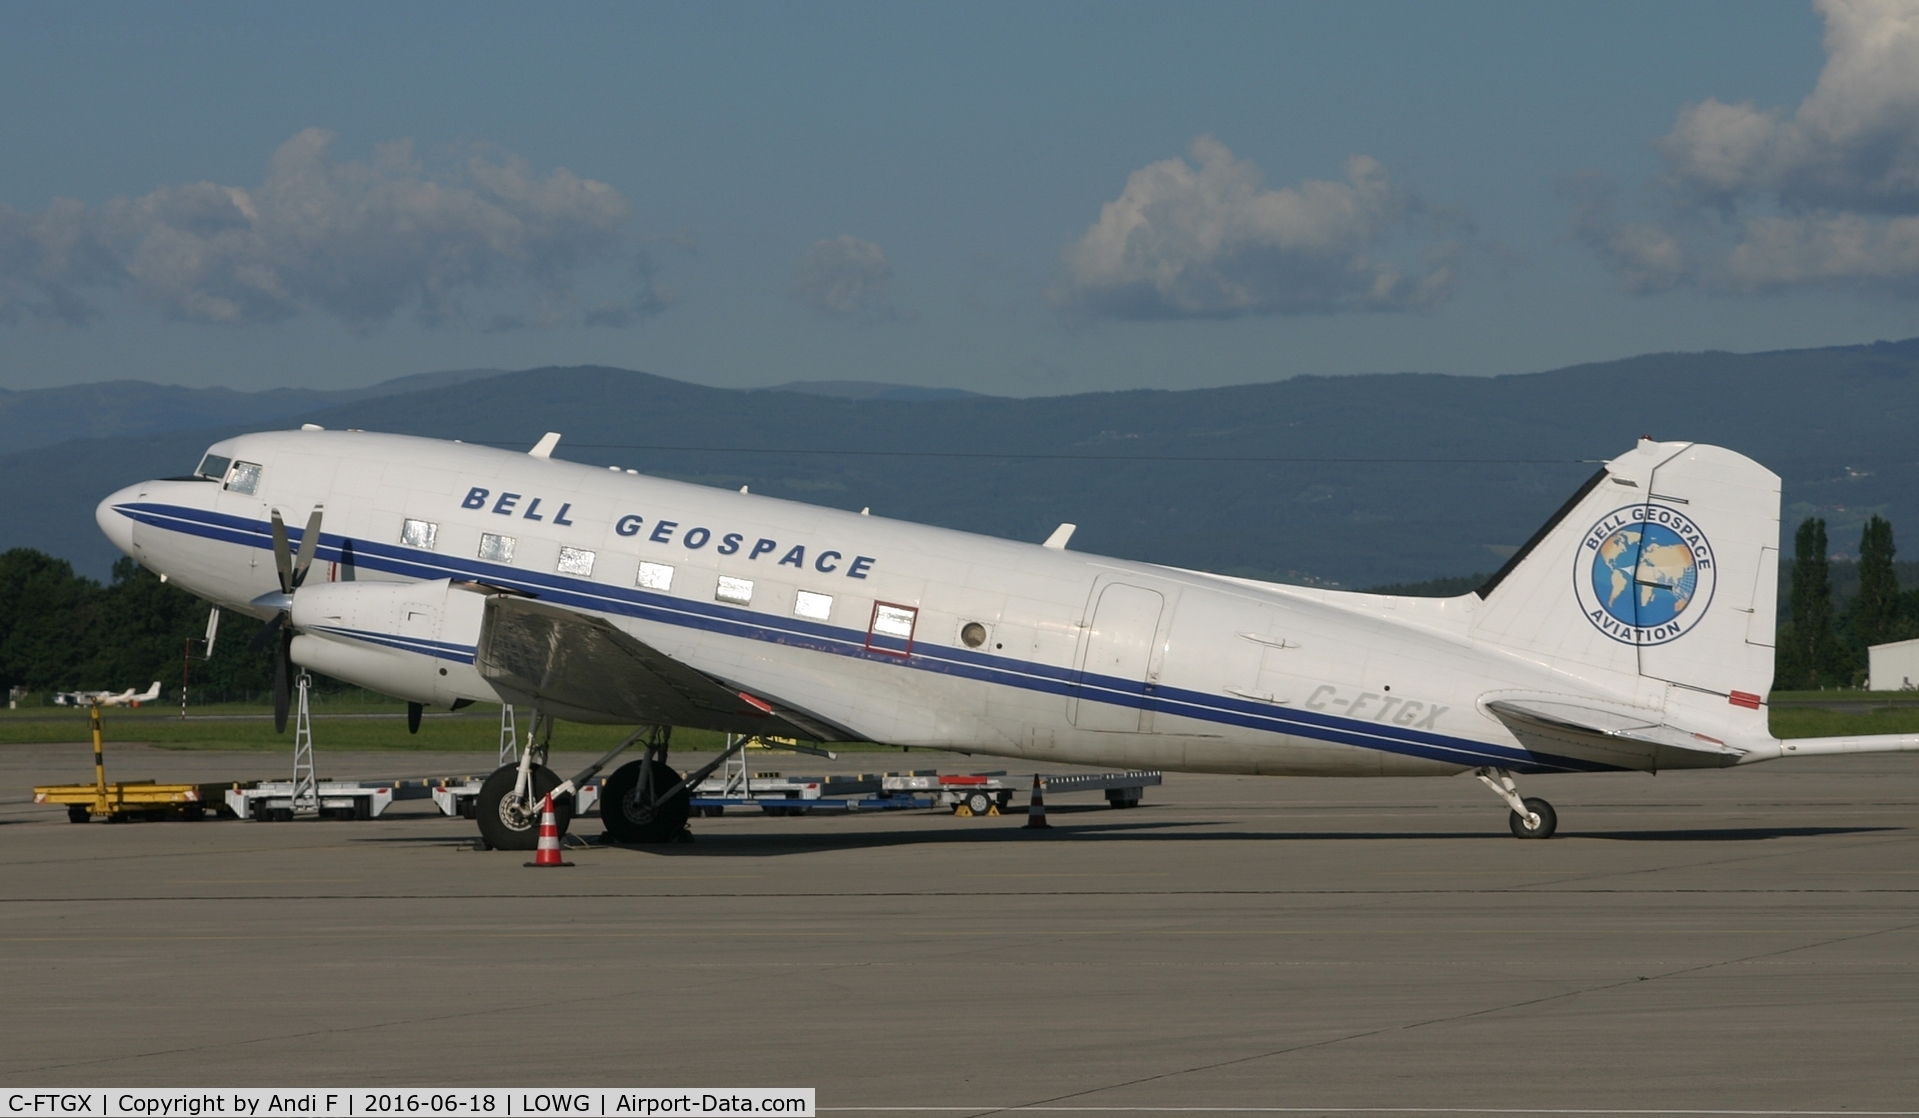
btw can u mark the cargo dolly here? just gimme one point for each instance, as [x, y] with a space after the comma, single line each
[991, 793]
[274, 800]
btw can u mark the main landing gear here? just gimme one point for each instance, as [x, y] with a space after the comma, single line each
[641, 801]
[1532, 817]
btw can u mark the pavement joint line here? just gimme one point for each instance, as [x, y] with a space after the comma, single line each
[721, 933]
[1453, 1018]
[1009, 893]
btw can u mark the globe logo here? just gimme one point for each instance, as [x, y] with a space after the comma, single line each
[1644, 574]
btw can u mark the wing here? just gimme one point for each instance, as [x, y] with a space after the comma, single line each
[577, 666]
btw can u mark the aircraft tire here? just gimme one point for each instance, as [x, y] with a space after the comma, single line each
[505, 826]
[1548, 821]
[629, 822]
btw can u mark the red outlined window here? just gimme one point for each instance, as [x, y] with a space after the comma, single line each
[891, 629]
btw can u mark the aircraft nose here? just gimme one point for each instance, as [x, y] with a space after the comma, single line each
[117, 526]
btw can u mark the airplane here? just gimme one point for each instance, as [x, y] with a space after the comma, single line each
[1632, 632]
[106, 698]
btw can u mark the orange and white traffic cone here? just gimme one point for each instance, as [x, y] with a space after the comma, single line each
[1036, 810]
[548, 853]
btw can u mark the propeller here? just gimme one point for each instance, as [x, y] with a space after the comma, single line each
[292, 570]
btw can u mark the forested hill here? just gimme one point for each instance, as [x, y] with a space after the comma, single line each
[1208, 478]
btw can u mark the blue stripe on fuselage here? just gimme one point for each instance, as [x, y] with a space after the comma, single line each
[841, 641]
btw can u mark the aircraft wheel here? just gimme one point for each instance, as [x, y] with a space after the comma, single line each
[629, 821]
[1548, 822]
[509, 825]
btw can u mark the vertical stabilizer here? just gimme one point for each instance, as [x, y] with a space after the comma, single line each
[1660, 575]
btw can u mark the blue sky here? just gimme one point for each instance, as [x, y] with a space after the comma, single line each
[1012, 198]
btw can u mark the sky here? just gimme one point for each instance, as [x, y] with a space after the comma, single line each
[1011, 198]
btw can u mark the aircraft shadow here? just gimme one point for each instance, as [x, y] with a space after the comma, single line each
[787, 843]
[1727, 834]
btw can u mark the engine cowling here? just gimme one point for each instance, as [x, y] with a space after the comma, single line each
[411, 640]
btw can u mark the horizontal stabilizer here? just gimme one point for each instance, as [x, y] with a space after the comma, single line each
[1866, 743]
[1617, 735]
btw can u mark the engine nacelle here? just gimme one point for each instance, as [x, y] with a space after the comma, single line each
[411, 640]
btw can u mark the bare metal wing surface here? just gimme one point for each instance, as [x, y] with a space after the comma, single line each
[576, 665]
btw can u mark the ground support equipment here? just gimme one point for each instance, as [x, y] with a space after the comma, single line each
[990, 793]
[131, 799]
[127, 799]
[278, 800]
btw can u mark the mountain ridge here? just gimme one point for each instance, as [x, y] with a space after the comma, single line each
[1355, 481]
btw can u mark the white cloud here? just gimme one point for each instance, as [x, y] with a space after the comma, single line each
[1758, 200]
[846, 278]
[361, 241]
[1210, 241]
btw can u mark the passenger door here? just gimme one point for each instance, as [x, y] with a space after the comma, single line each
[1116, 659]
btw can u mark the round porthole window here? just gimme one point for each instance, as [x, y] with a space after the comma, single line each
[973, 633]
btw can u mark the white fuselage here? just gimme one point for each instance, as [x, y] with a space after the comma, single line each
[900, 633]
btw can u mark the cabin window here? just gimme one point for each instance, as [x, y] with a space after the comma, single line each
[972, 634]
[497, 548]
[417, 533]
[736, 590]
[214, 466]
[576, 561]
[244, 477]
[891, 629]
[819, 607]
[655, 576]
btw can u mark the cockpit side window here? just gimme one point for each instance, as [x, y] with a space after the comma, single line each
[214, 466]
[244, 477]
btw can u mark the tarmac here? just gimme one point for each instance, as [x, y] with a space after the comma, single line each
[1736, 940]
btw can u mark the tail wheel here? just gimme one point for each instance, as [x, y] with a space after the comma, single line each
[507, 823]
[629, 820]
[1548, 822]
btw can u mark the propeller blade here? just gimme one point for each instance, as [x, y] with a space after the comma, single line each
[282, 698]
[309, 546]
[413, 711]
[282, 554]
[266, 634]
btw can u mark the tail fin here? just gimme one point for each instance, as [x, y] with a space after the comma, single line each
[1660, 575]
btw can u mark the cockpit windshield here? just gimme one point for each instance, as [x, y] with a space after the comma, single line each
[214, 466]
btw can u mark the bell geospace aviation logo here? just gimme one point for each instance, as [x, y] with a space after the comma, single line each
[1644, 574]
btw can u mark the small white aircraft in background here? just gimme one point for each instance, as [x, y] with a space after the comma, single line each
[106, 698]
[1633, 632]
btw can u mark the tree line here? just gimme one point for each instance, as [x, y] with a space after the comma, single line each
[1820, 647]
[61, 631]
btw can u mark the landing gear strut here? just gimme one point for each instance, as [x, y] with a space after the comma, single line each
[1532, 817]
[646, 801]
[508, 807]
